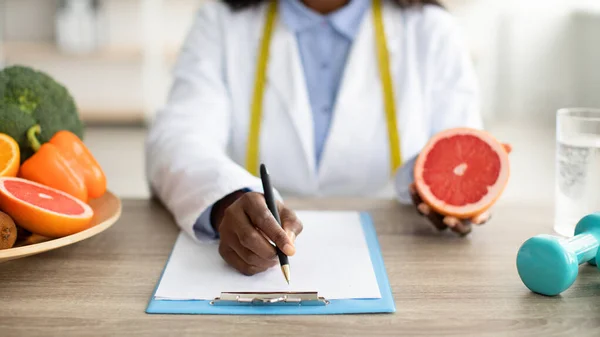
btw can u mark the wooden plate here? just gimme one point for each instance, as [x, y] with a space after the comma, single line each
[107, 210]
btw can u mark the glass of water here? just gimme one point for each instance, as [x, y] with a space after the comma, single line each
[577, 167]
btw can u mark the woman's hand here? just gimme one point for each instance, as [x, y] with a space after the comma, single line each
[246, 225]
[441, 222]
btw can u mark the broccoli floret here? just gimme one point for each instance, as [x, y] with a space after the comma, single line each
[29, 97]
[15, 124]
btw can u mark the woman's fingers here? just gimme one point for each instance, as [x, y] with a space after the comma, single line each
[462, 227]
[255, 207]
[482, 218]
[423, 208]
[290, 222]
[434, 218]
[253, 259]
[234, 260]
[441, 222]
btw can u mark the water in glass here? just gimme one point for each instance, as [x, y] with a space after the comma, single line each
[578, 167]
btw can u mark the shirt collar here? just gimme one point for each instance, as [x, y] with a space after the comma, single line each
[345, 20]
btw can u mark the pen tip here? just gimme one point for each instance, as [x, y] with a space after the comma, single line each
[286, 272]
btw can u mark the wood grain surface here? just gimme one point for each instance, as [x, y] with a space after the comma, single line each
[443, 285]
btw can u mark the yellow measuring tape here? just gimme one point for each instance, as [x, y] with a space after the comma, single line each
[388, 89]
[252, 159]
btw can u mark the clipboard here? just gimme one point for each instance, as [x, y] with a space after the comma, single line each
[229, 302]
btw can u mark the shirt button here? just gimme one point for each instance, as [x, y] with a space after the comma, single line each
[324, 65]
[325, 109]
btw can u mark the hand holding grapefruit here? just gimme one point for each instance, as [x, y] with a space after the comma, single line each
[462, 172]
[43, 210]
[442, 222]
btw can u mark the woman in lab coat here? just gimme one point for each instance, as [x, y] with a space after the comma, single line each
[336, 97]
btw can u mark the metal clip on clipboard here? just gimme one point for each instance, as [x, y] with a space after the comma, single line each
[258, 298]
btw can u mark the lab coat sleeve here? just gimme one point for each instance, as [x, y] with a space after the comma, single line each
[451, 87]
[204, 227]
[187, 164]
[403, 179]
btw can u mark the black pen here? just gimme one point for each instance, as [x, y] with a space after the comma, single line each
[270, 199]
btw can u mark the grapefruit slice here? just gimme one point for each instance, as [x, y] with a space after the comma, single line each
[461, 172]
[43, 210]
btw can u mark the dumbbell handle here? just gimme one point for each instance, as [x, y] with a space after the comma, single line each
[585, 247]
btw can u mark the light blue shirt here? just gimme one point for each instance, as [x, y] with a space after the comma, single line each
[324, 43]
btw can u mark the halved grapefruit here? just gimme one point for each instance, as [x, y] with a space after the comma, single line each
[43, 210]
[461, 172]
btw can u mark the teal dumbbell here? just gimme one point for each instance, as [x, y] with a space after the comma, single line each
[549, 265]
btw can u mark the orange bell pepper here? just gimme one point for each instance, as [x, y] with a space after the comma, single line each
[48, 166]
[64, 163]
[73, 149]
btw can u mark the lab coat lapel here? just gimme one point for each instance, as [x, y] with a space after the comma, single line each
[359, 109]
[286, 77]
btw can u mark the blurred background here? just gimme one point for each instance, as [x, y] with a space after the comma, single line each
[115, 56]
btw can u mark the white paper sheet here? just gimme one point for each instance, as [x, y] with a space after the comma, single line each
[332, 257]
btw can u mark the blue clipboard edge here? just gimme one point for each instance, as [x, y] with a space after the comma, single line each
[385, 304]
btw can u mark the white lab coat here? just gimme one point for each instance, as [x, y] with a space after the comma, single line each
[196, 148]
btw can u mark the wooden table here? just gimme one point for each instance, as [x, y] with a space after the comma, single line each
[443, 285]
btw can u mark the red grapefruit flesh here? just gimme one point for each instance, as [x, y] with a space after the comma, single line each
[43, 210]
[462, 172]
